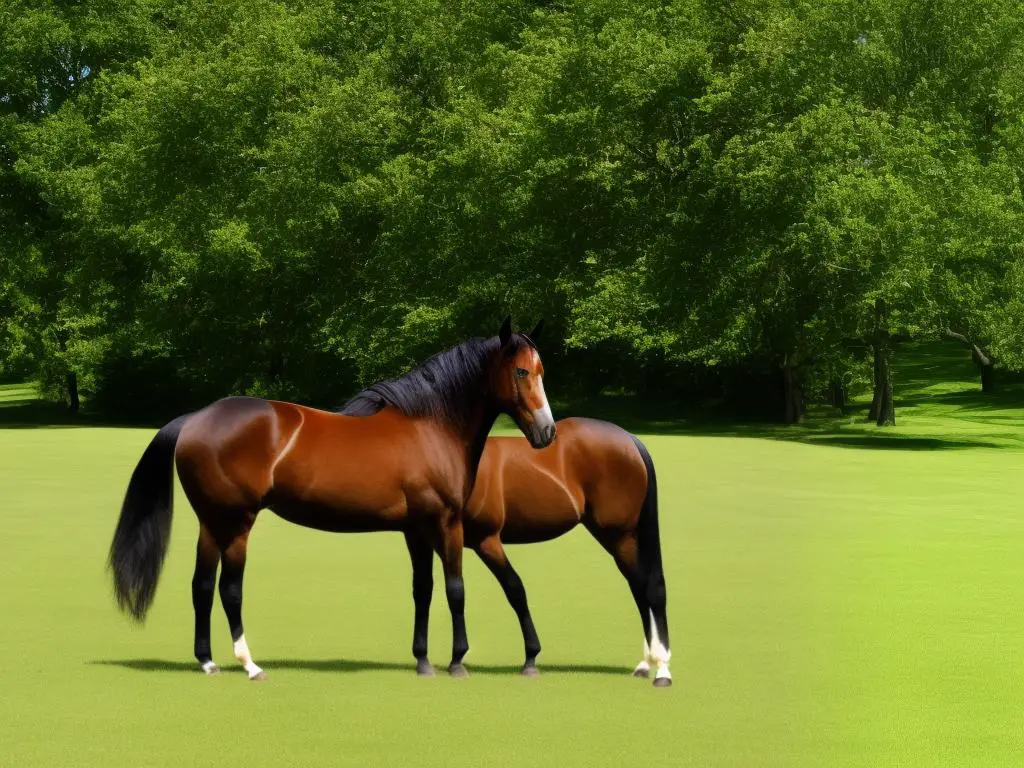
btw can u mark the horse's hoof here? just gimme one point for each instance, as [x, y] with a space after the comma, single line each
[458, 670]
[530, 670]
[210, 669]
[641, 672]
[662, 682]
[424, 668]
[259, 677]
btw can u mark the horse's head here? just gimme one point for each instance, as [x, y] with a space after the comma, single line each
[518, 384]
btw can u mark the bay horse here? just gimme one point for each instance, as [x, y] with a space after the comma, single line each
[402, 457]
[595, 474]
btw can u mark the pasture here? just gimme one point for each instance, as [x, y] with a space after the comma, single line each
[836, 598]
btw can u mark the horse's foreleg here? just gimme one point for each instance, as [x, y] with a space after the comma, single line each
[422, 556]
[493, 554]
[204, 580]
[232, 570]
[451, 557]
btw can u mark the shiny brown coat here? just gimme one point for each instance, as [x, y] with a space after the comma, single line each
[594, 474]
[401, 456]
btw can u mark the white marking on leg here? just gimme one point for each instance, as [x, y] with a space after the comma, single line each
[660, 655]
[209, 667]
[245, 658]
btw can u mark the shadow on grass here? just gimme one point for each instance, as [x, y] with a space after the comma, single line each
[820, 429]
[35, 414]
[354, 665]
[966, 400]
[895, 442]
[39, 414]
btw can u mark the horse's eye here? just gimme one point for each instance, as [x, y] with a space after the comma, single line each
[522, 373]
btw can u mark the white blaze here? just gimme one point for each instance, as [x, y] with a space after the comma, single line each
[542, 417]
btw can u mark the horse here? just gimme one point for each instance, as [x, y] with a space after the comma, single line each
[595, 474]
[402, 456]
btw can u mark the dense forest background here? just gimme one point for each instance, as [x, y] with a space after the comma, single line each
[746, 203]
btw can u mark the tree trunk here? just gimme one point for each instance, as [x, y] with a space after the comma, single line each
[838, 392]
[981, 358]
[883, 409]
[885, 414]
[72, 384]
[876, 397]
[988, 378]
[792, 393]
[275, 368]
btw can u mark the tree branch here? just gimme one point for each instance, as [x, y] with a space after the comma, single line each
[980, 357]
[951, 334]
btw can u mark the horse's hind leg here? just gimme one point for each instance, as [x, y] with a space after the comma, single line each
[493, 554]
[659, 645]
[232, 570]
[203, 582]
[648, 588]
[623, 548]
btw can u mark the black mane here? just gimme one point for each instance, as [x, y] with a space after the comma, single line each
[442, 387]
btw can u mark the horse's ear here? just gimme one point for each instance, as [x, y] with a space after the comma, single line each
[535, 333]
[506, 331]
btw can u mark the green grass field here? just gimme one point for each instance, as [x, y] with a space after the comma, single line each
[835, 598]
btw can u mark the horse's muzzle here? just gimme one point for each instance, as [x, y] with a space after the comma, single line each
[542, 437]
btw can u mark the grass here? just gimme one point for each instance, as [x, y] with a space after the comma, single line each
[828, 606]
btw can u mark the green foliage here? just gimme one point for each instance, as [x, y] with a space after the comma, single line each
[288, 199]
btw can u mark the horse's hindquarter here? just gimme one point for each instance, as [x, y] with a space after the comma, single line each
[224, 454]
[604, 460]
[349, 474]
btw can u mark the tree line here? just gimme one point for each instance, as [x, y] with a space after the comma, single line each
[755, 200]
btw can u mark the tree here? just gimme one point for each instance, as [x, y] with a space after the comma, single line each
[289, 199]
[49, 59]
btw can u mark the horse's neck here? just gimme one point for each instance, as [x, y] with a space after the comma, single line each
[478, 427]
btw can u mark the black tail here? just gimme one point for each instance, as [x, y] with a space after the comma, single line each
[649, 545]
[144, 528]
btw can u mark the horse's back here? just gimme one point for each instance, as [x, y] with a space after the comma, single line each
[370, 470]
[318, 468]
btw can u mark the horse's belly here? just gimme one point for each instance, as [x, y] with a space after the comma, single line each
[362, 491]
[542, 520]
[340, 518]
